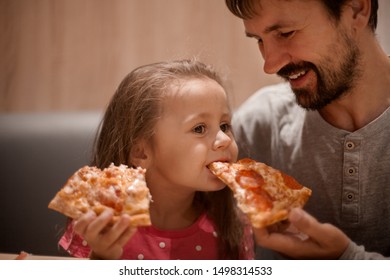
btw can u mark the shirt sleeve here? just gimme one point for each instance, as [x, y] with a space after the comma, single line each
[356, 252]
[74, 244]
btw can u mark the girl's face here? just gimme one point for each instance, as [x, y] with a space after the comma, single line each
[193, 131]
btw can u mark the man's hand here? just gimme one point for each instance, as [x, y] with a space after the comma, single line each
[305, 238]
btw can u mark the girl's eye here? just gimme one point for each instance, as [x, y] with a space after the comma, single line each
[226, 127]
[199, 129]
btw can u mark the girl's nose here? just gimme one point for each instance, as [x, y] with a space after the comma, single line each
[222, 140]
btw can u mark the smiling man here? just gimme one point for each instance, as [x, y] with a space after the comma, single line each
[328, 125]
[299, 44]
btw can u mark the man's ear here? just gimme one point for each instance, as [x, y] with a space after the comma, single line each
[361, 11]
[140, 155]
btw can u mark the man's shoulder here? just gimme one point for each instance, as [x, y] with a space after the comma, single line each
[280, 88]
[269, 99]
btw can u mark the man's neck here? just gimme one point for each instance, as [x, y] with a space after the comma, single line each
[369, 98]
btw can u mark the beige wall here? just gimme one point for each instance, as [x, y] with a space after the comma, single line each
[383, 30]
[69, 55]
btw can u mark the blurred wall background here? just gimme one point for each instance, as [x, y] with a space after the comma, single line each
[383, 31]
[70, 55]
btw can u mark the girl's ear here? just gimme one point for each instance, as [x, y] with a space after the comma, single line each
[139, 155]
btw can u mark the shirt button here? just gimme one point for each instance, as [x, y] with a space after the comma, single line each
[351, 171]
[349, 145]
[349, 196]
[162, 245]
[140, 257]
[198, 248]
[84, 243]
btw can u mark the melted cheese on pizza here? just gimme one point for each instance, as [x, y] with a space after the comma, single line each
[265, 194]
[120, 188]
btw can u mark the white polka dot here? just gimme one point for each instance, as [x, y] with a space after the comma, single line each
[215, 234]
[162, 245]
[198, 248]
[85, 243]
[140, 257]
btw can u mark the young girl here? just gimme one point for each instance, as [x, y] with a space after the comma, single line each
[172, 119]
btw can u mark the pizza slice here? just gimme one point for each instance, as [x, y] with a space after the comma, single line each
[120, 188]
[264, 194]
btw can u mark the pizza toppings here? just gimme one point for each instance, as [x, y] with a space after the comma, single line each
[253, 183]
[120, 188]
[264, 194]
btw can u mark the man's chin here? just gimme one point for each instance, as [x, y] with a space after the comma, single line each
[305, 103]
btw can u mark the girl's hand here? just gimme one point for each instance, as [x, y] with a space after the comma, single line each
[106, 241]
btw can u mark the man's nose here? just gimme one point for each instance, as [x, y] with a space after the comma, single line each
[275, 57]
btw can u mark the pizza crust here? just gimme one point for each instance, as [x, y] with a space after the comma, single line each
[264, 194]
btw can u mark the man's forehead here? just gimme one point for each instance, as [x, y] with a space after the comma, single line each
[277, 14]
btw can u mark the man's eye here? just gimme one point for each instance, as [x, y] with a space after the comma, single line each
[287, 34]
[199, 129]
[226, 127]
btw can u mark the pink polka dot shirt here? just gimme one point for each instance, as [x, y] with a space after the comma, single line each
[197, 242]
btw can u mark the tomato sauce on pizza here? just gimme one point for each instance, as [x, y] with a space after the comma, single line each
[264, 194]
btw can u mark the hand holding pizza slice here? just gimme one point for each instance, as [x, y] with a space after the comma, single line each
[264, 194]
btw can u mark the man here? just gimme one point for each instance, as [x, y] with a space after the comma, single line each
[328, 126]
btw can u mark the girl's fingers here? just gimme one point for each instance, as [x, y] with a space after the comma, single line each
[120, 228]
[81, 225]
[99, 224]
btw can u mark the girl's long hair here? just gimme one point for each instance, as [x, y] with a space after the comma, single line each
[131, 115]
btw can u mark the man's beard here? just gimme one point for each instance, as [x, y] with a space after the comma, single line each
[333, 80]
